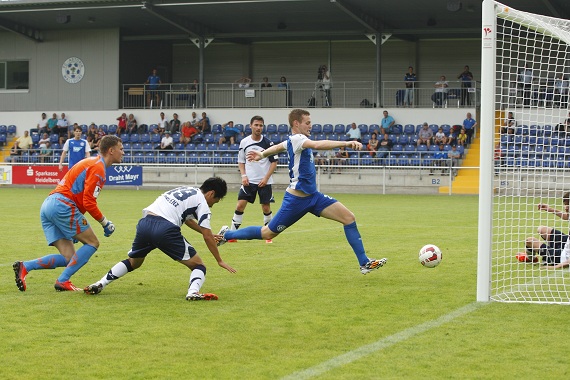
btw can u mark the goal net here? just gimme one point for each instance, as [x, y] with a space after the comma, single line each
[525, 154]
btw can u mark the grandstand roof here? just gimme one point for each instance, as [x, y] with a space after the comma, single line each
[246, 21]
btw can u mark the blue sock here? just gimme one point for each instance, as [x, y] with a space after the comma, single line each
[355, 241]
[248, 233]
[78, 260]
[46, 262]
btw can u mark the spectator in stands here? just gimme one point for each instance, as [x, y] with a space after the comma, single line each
[265, 83]
[439, 137]
[425, 135]
[43, 139]
[153, 81]
[92, 131]
[386, 123]
[469, 124]
[132, 127]
[563, 128]
[462, 137]
[561, 91]
[243, 82]
[162, 125]
[440, 159]
[62, 128]
[409, 80]
[509, 124]
[22, 143]
[452, 136]
[204, 124]
[499, 157]
[326, 82]
[195, 120]
[284, 85]
[122, 124]
[454, 156]
[373, 144]
[440, 95]
[552, 250]
[187, 132]
[193, 96]
[384, 146]
[45, 151]
[42, 124]
[230, 133]
[77, 147]
[354, 133]
[174, 124]
[167, 142]
[52, 124]
[465, 77]
[526, 78]
[323, 158]
[340, 158]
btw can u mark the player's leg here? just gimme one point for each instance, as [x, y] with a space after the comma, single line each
[197, 279]
[266, 198]
[238, 214]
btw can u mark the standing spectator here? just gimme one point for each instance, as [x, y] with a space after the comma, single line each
[327, 84]
[509, 124]
[560, 91]
[167, 143]
[465, 77]
[243, 82]
[42, 124]
[373, 144]
[160, 228]
[63, 219]
[22, 143]
[409, 79]
[440, 95]
[469, 124]
[354, 133]
[62, 128]
[162, 124]
[187, 132]
[384, 146]
[174, 124]
[302, 196]
[256, 177]
[193, 96]
[230, 133]
[52, 125]
[386, 123]
[153, 81]
[77, 147]
[285, 86]
[425, 135]
[525, 78]
[132, 127]
[265, 83]
[122, 124]
[462, 137]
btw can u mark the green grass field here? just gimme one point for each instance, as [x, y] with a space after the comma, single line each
[297, 308]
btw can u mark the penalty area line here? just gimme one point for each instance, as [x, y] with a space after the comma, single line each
[381, 344]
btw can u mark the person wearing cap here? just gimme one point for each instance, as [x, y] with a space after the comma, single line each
[425, 135]
[167, 143]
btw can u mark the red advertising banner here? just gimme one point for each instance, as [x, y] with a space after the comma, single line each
[37, 175]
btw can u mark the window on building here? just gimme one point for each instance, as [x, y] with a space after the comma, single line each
[14, 75]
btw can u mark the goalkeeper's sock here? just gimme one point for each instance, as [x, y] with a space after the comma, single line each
[236, 220]
[118, 270]
[78, 260]
[197, 278]
[355, 241]
[248, 233]
[46, 262]
[267, 218]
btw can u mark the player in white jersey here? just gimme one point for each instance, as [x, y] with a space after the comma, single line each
[160, 228]
[302, 197]
[256, 176]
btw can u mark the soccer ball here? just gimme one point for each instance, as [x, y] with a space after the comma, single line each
[430, 256]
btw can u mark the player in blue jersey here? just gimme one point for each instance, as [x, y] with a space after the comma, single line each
[77, 147]
[302, 197]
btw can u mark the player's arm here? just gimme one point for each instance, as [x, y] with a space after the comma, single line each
[213, 248]
[561, 214]
[330, 144]
[94, 182]
[63, 153]
[254, 155]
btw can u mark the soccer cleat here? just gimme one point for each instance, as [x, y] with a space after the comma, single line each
[201, 297]
[66, 286]
[523, 258]
[371, 265]
[21, 272]
[232, 241]
[269, 241]
[222, 232]
[95, 288]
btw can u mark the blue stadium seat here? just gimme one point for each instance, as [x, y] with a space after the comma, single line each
[3, 130]
[403, 139]
[155, 138]
[217, 128]
[11, 129]
[176, 138]
[240, 127]
[209, 138]
[397, 129]
[125, 138]
[150, 158]
[316, 128]
[409, 129]
[112, 129]
[271, 128]
[234, 147]
[283, 129]
[328, 129]
[134, 138]
[363, 128]
[339, 129]
[147, 146]
[374, 128]
[446, 128]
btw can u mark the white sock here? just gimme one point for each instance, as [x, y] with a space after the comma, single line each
[267, 218]
[117, 271]
[197, 278]
[236, 221]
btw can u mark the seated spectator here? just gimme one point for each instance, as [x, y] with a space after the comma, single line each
[187, 132]
[52, 124]
[92, 131]
[265, 83]
[62, 128]
[462, 137]
[162, 125]
[384, 146]
[174, 124]
[440, 159]
[425, 135]
[167, 143]
[203, 125]
[45, 151]
[509, 124]
[340, 157]
[42, 124]
[122, 124]
[440, 95]
[454, 156]
[563, 128]
[22, 143]
[132, 127]
[439, 137]
[44, 139]
[386, 123]
[354, 133]
[323, 158]
[195, 119]
[499, 157]
[231, 133]
[373, 144]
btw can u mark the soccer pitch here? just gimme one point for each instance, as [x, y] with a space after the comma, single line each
[297, 309]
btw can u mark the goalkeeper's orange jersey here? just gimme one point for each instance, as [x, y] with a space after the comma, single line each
[83, 183]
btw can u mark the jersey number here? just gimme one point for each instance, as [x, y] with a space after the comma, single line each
[182, 193]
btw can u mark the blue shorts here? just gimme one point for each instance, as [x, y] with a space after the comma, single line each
[61, 219]
[294, 208]
[156, 232]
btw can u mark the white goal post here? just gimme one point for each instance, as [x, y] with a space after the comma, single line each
[525, 70]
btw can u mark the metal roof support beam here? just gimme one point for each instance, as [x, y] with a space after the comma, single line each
[23, 30]
[171, 19]
[369, 22]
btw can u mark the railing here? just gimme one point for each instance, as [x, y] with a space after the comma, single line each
[394, 94]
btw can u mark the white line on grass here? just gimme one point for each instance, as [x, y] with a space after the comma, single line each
[381, 344]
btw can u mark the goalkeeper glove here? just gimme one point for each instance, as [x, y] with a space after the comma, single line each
[108, 226]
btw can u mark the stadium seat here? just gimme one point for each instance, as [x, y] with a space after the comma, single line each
[446, 128]
[234, 147]
[134, 138]
[176, 138]
[155, 138]
[316, 128]
[283, 129]
[271, 128]
[209, 138]
[374, 128]
[147, 146]
[150, 158]
[3, 130]
[328, 129]
[275, 138]
[363, 128]
[409, 129]
[144, 138]
[3, 138]
[124, 138]
[11, 129]
[403, 139]
[397, 129]
[112, 129]
[217, 128]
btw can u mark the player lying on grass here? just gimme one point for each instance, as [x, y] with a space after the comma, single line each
[63, 221]
[160, 228]
[302, 197]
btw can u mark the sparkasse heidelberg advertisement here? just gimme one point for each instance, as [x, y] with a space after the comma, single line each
[50, 175]
[125, 175]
